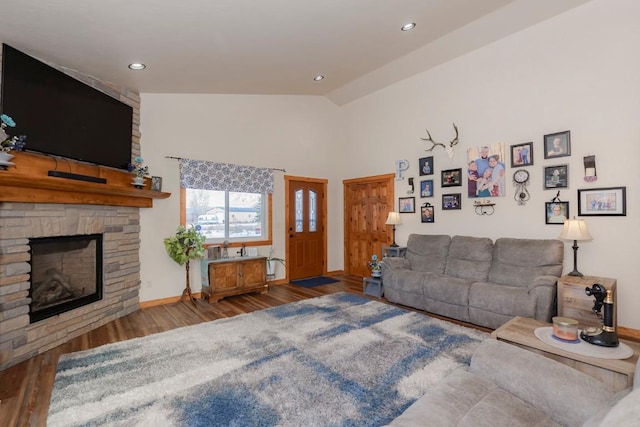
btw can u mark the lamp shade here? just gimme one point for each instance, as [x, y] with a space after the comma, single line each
[393, 218]
[575, 229]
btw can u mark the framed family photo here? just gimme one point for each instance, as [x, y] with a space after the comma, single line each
[451, 201]
[407, 204]
[556, 212]
[451, 178]
[426, 213]
[602, 201]
[486, 171]
[426, 165]
[557, 145]
[522, 154]
[556, 177]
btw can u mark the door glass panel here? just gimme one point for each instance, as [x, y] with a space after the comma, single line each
[299, 211]
[313, 209]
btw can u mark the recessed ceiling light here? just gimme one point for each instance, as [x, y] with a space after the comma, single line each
[318, 78]
[408, 27]
[137, 66]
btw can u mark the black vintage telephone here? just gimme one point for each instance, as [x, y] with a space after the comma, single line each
[605, 336]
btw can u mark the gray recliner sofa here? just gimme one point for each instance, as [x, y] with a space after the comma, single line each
[475, 280]
[506, 386]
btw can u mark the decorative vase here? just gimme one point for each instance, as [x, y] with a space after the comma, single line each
[376, 273]
[271, 269]
[5, 160]
[138, 182]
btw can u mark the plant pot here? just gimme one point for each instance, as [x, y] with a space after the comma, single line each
[271, 269]
[376, 273]
[5, 157]
[138, 182]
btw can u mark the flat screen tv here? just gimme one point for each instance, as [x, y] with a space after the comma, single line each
[63, 116]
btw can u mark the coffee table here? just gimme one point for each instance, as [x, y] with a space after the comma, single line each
[616, 373]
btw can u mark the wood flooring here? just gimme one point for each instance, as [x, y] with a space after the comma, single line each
[25, 389]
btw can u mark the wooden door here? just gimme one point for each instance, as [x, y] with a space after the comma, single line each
[367, 201]
[306, 218]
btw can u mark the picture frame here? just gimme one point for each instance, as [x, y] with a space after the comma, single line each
[555, 177]
[451, 178]
[426, 188]
[485, 172]
[406, 204]
[156, 183]
[451, 201]
[556, 212]
[557, 144]
[522, 155]
[611, 201]
[426, 165]
[427, 213]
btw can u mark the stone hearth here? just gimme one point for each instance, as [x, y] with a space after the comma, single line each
[120, 226]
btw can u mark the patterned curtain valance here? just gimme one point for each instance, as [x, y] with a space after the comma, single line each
[204, 175]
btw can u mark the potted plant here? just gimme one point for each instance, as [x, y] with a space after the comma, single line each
[8, 143]
[375, 266]
[185, 245]
[139, 171]
[271, 264]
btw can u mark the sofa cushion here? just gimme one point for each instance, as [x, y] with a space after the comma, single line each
[517, 262]
[444, 288]
[427, 252]
[508, 300]
[563, 393]
[469, 257]
[464, 399]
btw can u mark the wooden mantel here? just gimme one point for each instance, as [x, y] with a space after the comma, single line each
[28, 182]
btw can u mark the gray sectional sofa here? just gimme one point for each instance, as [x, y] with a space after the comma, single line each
[506, 386]
[475, 280]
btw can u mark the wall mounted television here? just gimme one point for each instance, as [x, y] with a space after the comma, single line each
[62, 116]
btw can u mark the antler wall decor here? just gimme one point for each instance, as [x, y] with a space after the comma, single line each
[448, 149]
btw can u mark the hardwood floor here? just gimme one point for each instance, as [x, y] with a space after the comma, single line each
[25, 389]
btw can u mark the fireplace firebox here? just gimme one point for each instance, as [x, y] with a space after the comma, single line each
[66, 273]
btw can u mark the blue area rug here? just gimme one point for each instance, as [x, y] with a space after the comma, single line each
[337, 360]
[314, 281]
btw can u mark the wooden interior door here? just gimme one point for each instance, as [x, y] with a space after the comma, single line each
[367, 201]
[306, 220]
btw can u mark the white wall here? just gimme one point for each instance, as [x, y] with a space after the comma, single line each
[297, 133]
[578, 71]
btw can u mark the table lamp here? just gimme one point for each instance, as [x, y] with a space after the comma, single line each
[575, 229]
[393, 219]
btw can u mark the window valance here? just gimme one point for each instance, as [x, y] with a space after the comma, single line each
[205, 175]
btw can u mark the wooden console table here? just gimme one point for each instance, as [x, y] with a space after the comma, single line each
[616, 373]
[233, 276]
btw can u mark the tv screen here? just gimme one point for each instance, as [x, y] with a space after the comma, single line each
[63, 116]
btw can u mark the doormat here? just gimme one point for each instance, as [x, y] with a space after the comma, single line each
[314, 281]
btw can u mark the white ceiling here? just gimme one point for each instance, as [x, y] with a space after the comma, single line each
[261, 46]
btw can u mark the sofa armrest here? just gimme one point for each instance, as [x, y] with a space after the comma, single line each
[563, 393]
[394, 263]
[544, 287]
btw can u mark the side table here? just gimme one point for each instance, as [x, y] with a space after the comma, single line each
[395, 251]
[372, 286]
[618, 374]
[574, 303]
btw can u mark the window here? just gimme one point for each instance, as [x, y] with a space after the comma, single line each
[228, 215]
[229, 202]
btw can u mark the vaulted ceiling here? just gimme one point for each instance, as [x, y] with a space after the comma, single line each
[262, 46]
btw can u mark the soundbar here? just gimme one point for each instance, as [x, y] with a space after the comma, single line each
[78, 177]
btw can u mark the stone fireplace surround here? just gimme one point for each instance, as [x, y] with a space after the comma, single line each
[120, 226]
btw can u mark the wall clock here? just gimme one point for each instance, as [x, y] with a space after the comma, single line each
[521, 181]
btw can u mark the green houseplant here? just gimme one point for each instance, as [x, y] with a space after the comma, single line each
[185, 245]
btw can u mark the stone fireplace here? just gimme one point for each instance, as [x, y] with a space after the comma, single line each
[20, 225]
